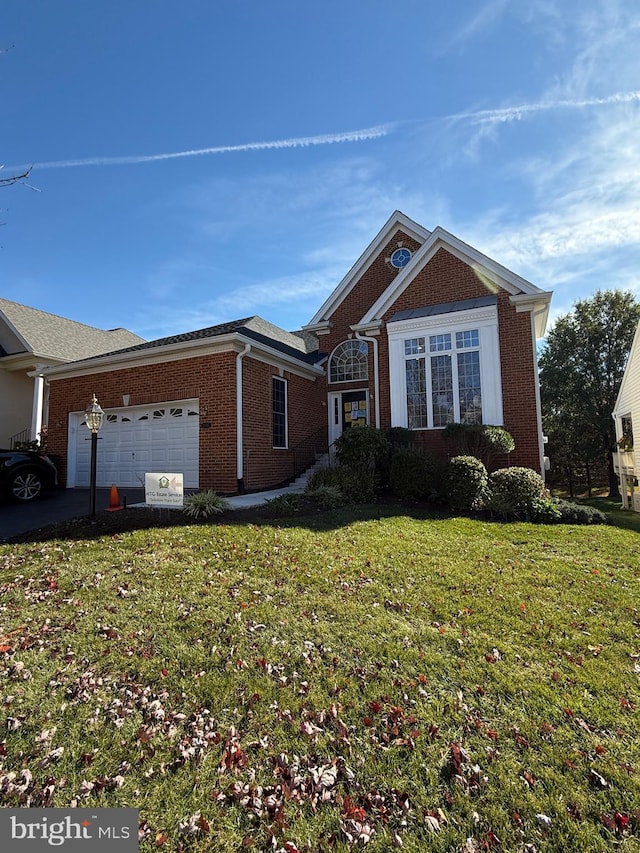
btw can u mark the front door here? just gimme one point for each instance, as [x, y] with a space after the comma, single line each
[347, 409]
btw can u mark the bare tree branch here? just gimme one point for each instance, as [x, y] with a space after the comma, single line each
[15, 179]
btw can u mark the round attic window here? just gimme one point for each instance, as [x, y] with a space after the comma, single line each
[400, 258]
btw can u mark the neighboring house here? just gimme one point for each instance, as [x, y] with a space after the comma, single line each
[30, 340]
[422, 331]
[626, 414]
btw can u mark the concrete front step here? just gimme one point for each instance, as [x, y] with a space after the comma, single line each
[301, 481]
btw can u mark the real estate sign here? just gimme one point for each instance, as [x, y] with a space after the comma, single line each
[164, 490]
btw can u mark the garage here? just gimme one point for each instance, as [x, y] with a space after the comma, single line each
[163, 437]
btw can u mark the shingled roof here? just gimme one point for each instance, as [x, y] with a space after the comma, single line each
[52, 337]
[301, 346]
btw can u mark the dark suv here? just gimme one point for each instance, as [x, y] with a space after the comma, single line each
[25, 474]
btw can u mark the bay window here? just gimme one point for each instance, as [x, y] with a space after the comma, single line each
[445, 368]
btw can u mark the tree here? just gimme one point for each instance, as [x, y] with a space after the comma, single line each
[581, 368]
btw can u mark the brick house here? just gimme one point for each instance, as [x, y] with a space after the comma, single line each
[423, 330]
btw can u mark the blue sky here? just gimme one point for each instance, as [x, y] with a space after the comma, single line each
[294, 130]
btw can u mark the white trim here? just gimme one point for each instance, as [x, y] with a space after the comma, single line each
[331, 381]
[76, 422]
[376, 375]
[335, 430]
[284, 381]
[397, 221]
[239, 414]
[536, 374]
[493, 274]
[486, 321]
[179, 351]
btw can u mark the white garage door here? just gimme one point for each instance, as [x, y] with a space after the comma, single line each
[137, 440]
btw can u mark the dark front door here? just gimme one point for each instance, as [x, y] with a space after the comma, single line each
[354, 409]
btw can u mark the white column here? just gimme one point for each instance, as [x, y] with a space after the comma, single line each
[38, 403]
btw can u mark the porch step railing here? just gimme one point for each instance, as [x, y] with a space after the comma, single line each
[19, 438]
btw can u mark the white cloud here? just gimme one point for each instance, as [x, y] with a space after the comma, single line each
[483, 20]
[362, 135]
[521, 111]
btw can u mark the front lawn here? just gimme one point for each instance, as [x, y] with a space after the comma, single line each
[353, 678]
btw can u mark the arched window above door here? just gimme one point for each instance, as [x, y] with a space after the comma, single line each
[349, 362]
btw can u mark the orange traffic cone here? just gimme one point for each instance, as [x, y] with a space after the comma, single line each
[114, 500]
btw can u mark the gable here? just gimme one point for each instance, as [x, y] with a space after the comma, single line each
[446, 269]
[628, 400]
[373, 288]
[55, 338]
[372, 273]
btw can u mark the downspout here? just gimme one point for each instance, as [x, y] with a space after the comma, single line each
[239, 426]
[376, 374]
[538, 403]
[38, 406]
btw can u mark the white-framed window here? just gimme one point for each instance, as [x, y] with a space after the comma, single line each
[349, 362]
[445, 369]
[279, 411]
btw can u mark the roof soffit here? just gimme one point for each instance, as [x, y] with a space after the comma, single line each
[397, 221]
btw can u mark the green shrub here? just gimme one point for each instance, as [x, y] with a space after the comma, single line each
[204, 504]
[327, 497]
[572, 513]
[483, 441]
[331, 476]
[361, 447]
[413, 474]
[513, 492]
[338, 478]
[287, 504]
[362, 452]
[465, 483]
[400, 437]
[544, 510]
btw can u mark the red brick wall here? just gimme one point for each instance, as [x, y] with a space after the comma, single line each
[212, 380]
[446, 278]
[371, 285]
[266, 466]
[374, 281]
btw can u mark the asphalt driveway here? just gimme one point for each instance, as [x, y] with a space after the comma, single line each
[53, 507]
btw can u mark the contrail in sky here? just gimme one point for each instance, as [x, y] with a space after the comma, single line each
[277, 144]
[518, 112]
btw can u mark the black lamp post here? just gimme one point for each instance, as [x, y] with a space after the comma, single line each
[93, 419]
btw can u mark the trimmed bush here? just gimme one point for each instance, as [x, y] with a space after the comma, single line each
[204, 504]
[515, 491]
[483, 441]
[465, 482]
[413, 474]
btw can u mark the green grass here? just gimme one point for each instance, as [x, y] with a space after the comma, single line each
[421, 680]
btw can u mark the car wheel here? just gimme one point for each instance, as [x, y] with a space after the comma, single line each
[26, 485]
